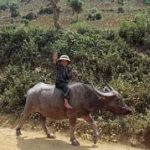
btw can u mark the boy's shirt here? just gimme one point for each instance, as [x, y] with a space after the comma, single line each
[63, 74]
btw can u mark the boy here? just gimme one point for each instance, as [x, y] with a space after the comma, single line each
[62, 76]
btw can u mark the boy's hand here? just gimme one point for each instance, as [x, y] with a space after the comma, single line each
[55, 57]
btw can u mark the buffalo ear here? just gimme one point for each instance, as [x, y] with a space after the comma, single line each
[106, 89]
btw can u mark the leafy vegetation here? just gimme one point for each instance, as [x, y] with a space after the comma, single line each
[26, 59]
[47, 10]
[137, 32]
[120, 10]
[30, 16]
[76, 6]
[94, 14]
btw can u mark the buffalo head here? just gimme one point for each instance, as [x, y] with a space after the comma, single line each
[112, 100]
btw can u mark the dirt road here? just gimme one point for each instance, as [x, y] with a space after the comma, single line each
[37, 141]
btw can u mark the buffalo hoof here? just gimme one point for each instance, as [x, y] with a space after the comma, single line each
[75, 142]
[18, 132]
[95, 139]
[51, 136]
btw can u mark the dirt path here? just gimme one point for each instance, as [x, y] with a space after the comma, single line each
[37, 141]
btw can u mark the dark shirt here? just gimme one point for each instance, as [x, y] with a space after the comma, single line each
[63, 74]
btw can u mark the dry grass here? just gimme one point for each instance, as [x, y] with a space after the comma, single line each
[110, 18]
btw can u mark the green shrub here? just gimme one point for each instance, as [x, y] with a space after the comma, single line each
[25, 21]
[30, 16]
[76, 6]
[45, 11]
[13, 7]
[14, 85]
[25, 59]
[146, 1]
[3, 7]
[94, 14]
[137, 32]
[14, 14]
[14, 10]
[120, 10]
[121, 2]
[146, 41]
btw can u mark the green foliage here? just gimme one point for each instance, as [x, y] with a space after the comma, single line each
[121, 2]
[120, 10]
[146, 1]
[25, 59]
[137, 32]
[76, 6]
[103, 53]
[45, 11]
[14, 14]
[3, 7]
[14, 10]
[13, 7]
[30, 16]
[7, 2]
[14, 84]
[25, 21]
[94, 14]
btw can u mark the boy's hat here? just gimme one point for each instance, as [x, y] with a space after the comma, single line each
[64, 57]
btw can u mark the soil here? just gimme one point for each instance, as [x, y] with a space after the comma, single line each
[35, 139]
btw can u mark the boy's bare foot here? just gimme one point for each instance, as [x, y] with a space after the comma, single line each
[67, 105]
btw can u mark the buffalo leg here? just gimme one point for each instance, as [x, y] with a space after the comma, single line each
[43, 123]
[91, 121]
[23, 117]
[73, 139]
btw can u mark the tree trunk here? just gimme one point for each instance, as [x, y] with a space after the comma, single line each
[56, 13]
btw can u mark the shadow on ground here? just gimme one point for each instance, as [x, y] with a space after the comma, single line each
[24, 143]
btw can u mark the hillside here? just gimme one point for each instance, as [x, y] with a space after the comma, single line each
[110, 18]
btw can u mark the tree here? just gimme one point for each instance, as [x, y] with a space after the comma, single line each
[14, 10]
[56, 12]
[121, 2]
[146, 1]
[76, 6]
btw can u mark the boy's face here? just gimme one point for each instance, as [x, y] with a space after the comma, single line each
[64, 63]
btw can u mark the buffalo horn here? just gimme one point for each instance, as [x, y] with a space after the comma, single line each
[110, 87]
[101, 94]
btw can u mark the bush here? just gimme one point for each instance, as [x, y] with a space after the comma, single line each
[146, 1]
[14, 10]
[146, 41]
[13, 7]
[14, 14]
[94, 14]
[30, 16]
[25, 21]
[76, 6]
[121, 2]
[137, 32]
[120, 10]
[45, 11]
[25, 59]
[3, 7]
[21, 78]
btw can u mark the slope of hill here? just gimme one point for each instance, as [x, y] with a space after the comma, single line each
[110, 17]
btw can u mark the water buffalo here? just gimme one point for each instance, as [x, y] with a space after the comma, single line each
[48, 102]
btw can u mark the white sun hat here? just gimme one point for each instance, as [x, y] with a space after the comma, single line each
[64, 57]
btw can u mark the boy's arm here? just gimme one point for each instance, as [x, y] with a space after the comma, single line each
[55, 57]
